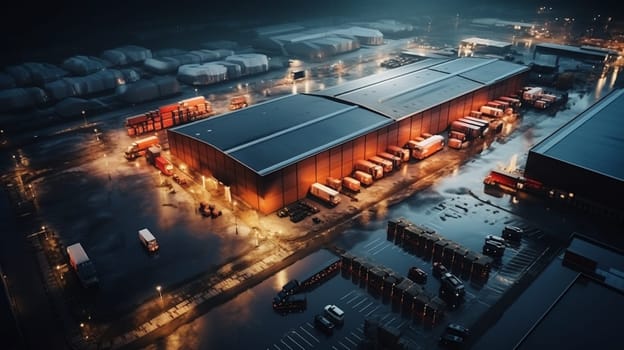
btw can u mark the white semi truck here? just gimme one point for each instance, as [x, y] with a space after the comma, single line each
[80, 262]
[325, 193]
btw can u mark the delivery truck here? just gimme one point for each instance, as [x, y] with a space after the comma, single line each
[148, 240]
[334, 183]
[396, 161]
[427, 147]
[163, 165]
[351, 183]
[365, 179]
[385, 164]
[237, 102]
[492, 112]
[324, 193]
[471, 131]
[400, 152]
[370, 168]
[82, 265]
[138, 147]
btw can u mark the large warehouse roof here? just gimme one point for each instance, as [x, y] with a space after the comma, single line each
[590, 141]
[417, 87]
[272, 135]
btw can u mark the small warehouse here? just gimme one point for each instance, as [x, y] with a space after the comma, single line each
[587, 153]
[270, 153]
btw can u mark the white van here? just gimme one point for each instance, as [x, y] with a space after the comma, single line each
[148, 240]
[335, 314]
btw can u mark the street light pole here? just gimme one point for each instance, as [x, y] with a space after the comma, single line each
[84, 116]
[159, 288]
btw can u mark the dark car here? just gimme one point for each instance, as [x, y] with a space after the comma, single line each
[439, 269]
[493, 249]
[323, 324]
[458, 330]
[512, 233]
[450, 341]
[417, 275]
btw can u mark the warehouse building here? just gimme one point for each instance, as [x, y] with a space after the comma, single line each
[587, 153]
[269, 154]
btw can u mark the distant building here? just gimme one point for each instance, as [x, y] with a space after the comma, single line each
[474, 45]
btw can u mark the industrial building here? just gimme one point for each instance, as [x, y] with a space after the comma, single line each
[474, 45]
[269, 154]
[586, 153]
[581, 53]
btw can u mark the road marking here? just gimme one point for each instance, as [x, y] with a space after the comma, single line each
[350, 341]
[377, 245]
[355, 297]
[292, 340]
[361, 301]
[282, 340]
[368, 244]
[309, 325]
[380, 250]
[387, 315]
[335, 348]
[302, 338]
[366, 307]
[373, 310]
[346, 295]
[401, 324]
[388, 323]
[277, 347]
[357, 336]
[310, 334]
[344, 346]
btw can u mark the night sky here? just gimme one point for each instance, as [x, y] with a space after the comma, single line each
[32, 29]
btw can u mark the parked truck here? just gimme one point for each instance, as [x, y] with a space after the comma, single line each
[428, 146]
[480, 123]
[351, 183]
[396, 161]
[471, 131]
[365, 179]
[492, 112]
[163, 165]
[138, 147]
[82, 265]
[400, 152]
[328, 195]
[370, 168]
[237, 102]
[334, 183]
[385, 164]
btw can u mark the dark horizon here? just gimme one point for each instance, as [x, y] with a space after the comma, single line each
[33, 31]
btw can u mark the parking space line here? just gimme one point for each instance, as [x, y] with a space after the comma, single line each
[335, 348]
[366, 307]
[387, 315]
[360, 329]
[355, 297]
[361, 301]
[357, 336]
[277, 347]
[401, 324]
[350, 341]
[346, 295]
[292, 340]
[373, 310]
[310, 334]
[388, 323]
[373, 242]
[302, 338]
[376, 245]
[380, 250]
[309, 325]
[344, 346]
[288, 346]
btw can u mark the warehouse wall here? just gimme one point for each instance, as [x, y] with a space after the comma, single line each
[287, 185]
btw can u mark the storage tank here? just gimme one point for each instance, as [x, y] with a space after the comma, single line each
[161, 65]
[84, 65]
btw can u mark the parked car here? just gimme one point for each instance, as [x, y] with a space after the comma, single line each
[323, 324]
[458, 330]
[450, 341]
[438, 269]
[417, 275]
[512, 233]
[498, 239]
